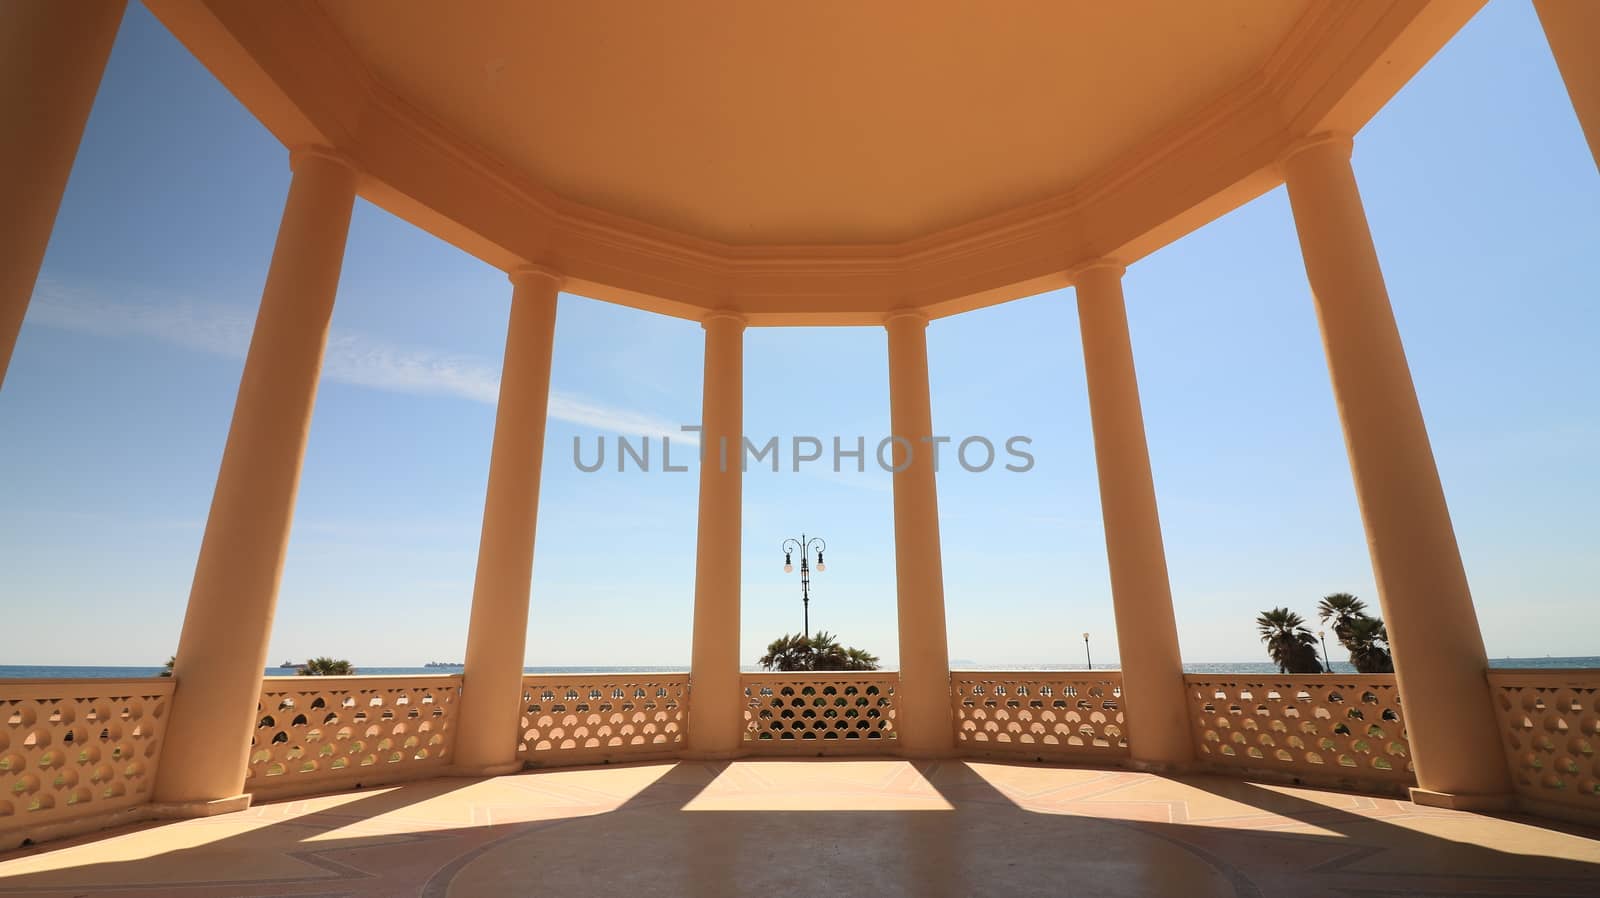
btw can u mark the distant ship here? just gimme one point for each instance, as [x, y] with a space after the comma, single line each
[444, 664]
[289, 664]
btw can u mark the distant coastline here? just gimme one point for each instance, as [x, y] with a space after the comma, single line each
[41, 671]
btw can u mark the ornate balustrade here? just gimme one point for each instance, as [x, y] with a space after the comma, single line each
[323, 733]
[1041, 715]
[1331, 729]
[71, 749]
[1550, 723]
[820, 713]
[586, 719]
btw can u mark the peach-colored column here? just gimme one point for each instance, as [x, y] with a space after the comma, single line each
[923, 698]
[224, 645]
[1573, 29]
[716, 715]
[1147, 632]
[52, 55]
[1422, 586]
[486, 737]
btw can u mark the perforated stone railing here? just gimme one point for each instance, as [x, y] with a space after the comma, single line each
[584, 719]
[316, 733]
[1329, 729]
[1046, 715]
[824, 713]
[77, 748]
[1550, 725]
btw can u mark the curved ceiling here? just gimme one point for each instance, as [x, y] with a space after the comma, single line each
[816, 162]
[832, 122]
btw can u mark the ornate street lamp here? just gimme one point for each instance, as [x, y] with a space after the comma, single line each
[804, 547]
[1086, 659]
[1327, 661]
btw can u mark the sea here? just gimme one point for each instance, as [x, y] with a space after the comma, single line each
[15, 671]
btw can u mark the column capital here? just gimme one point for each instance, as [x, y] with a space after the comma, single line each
[529, 273]
[1103, 263]
[723, 316]
[1320, 139]
[298, 154]
[911, 316]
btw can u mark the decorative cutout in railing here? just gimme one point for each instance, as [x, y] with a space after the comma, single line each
[1041, 714]
[317, 731]
[73, 748]
[576, 720]
[1550, 721]
[1335, 727]
[820, 712]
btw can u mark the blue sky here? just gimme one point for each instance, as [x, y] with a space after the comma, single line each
[1485, 207]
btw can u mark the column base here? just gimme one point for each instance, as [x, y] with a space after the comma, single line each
[184, 810]
[1459, 801]
[487, 769]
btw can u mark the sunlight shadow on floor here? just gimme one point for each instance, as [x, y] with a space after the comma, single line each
[874, 827]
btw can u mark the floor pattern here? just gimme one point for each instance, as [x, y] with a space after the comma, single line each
[795, 828]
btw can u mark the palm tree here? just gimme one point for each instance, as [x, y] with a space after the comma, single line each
[788, 653]
[1340, 610]
[327, 667]
[1366, 653]
[171, 663]
[860, 659]
[826, 652]
[819, 652]
[1290, 644]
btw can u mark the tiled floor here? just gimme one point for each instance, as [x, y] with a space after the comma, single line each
[836, 828]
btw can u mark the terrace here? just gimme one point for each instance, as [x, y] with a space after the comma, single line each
[1444, 777]
[1297, 786]
[883, 827]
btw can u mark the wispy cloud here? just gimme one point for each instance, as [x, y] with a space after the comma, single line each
[205, 328]
[580, 411]
[351, 358]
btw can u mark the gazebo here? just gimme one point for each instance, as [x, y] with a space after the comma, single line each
[769, 165]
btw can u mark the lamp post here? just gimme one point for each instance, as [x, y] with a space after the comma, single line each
[1086, 659]
[1327, 662]
[804, 547]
